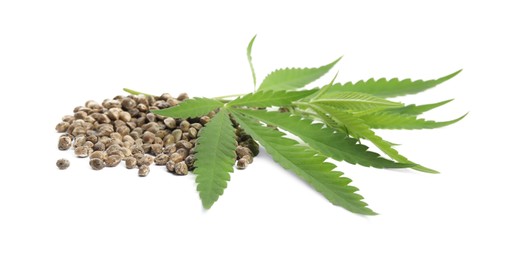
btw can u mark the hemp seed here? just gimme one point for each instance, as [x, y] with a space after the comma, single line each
[62, 164]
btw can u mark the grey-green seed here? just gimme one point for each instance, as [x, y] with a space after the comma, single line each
[62, 164]
[97, 164]
[143, 170]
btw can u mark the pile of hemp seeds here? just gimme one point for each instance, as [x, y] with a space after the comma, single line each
[123, 130]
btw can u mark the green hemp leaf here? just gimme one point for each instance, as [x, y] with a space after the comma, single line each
[329, 121]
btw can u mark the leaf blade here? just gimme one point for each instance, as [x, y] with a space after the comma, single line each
[357, 126]
[387, 120]
[194, 107]
[336, 145]
[215, 155]
[418, 109]
[355, 101]
[391, 88]
[270, 98]
[308, 165]
[294, 78]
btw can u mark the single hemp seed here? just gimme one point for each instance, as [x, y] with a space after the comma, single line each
[62, 164]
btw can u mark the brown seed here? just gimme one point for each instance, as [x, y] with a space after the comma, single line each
[142, 107]
[192, 133]
[114, 148]
[204, 120]
[168, 139]
[170, 122]
[170, 166]
[182, 96]
[241, 151]
[176, 157]
[241, 164]
[97, 164]
[68, 118]
[190, 161]
[184, 126]
[98, 155]
[159, 140]
[125, 116]
[173, 102]
[113, 113]
[157, 149]
[78, 131]
[123, 130]
[146, 160]
[183, 152]
[177, 134]
[151, 117]
[148, 137]
[130, 162]
[197, 126]
[92, 104]
[62, 127]
[80, 114]
[247, 158]
[88, 144]
[184, 144]
[82, 151]
[161, 159]
[65, 142]
[113, 160]
[181, 168]
[99, 146]
[91, 137]
[128, 103]
[165, 96]
[143, 170]
[169, 149]
[62, 164]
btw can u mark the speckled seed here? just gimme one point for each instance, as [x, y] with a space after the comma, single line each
[170, 122]
[98, 155]
[82, 151]
[62, 164]
[113, 160]
[99, 146]
[247, 158]
[146, 160]
[183, 144]
[190, 161]
[148, 137]
[168, 139]
[192, 132]
[130, 162]
[97, 164]
[170, 166]
[204, 120]
[176, 157]
[177, 134]
[241, 164]
[241, 151]
[62, 127]
[143, 170]
[197, 126]
[65, 142]
[157, 149]
[184, 125]
[161, 159]
[183, 152]
[181, 168]
[79, 141]
[182, 96]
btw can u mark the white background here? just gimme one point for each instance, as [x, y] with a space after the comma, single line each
[55, 55]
